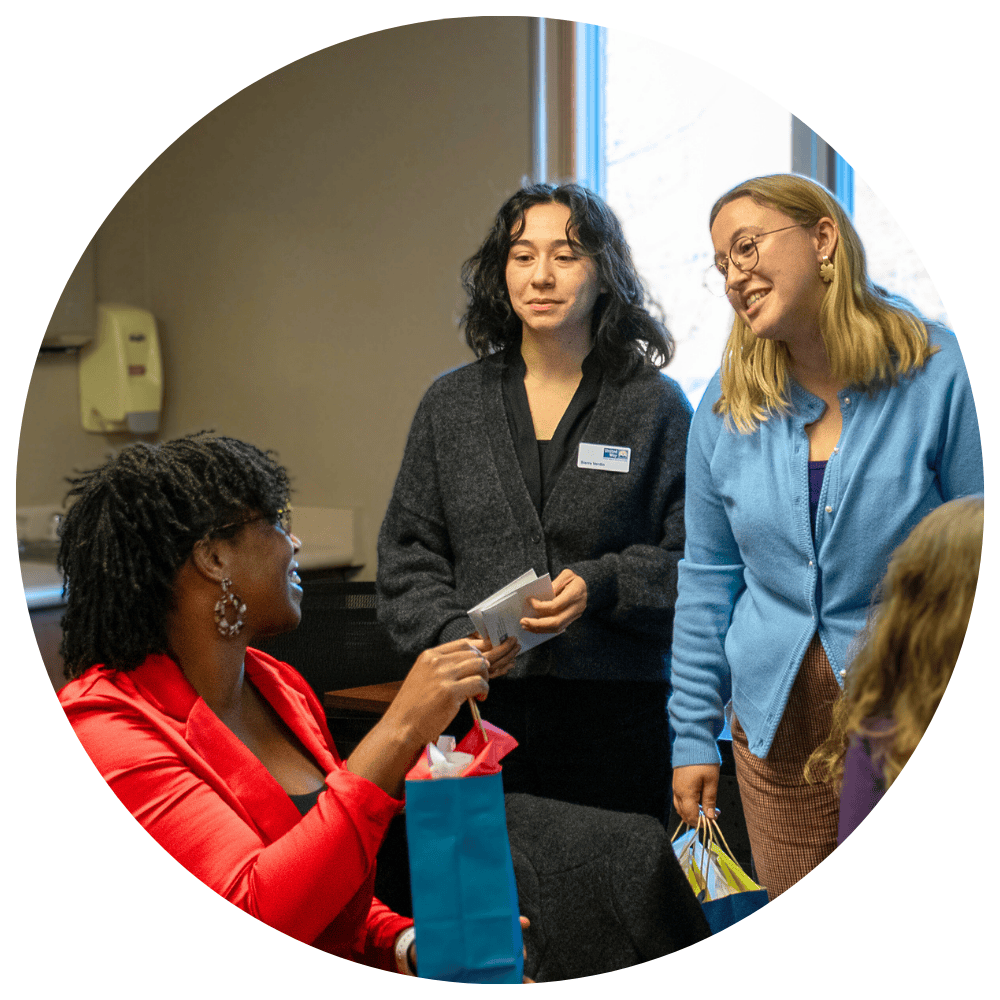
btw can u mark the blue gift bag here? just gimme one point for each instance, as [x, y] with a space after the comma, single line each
[726, 893]
[465, 909]
[723, 913]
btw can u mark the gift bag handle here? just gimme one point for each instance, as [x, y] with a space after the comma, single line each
[689, 849]
[718, 831]
[706, 831]
[710, 824]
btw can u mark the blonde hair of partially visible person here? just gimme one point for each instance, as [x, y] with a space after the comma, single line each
[871, 337]
[911, 641]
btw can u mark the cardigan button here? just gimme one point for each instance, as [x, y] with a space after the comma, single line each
[829, 510]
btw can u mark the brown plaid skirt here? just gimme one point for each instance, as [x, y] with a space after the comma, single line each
[792, 825]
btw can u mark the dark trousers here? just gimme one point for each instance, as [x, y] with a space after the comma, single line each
[595, 743]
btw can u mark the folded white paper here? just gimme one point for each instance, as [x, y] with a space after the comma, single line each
[499, 616]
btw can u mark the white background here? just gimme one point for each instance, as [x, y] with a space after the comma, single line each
[94, 92]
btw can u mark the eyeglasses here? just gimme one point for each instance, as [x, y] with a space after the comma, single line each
[743, 255]
[283, 520]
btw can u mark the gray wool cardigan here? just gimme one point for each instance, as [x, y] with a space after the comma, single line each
[461, 524]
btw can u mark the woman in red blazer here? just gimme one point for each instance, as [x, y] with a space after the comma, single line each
[176, 557]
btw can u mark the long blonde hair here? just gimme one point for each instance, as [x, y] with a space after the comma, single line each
[911, 641]
[871, 337]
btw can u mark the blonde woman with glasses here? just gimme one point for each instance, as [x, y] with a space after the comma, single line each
[839, 419]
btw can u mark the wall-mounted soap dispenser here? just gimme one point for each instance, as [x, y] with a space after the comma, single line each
[121, 377]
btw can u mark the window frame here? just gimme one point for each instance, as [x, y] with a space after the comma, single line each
[569, 75]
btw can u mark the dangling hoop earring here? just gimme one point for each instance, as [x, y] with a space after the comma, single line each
[827, 270]
[229, 599]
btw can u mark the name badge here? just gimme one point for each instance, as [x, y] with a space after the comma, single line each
[603, 456]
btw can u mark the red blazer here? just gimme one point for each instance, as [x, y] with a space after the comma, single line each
[210, 802]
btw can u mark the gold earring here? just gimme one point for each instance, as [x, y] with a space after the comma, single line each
[827, 270]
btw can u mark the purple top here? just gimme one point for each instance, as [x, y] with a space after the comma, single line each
[864, 782]
[816, 471]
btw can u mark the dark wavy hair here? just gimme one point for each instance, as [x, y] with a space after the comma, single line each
[133, 523]
[624, 333]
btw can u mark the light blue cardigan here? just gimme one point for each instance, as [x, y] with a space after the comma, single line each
[753, 588]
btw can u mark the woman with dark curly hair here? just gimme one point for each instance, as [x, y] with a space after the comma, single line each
[905, 659]
[499, 477]
[176, 558]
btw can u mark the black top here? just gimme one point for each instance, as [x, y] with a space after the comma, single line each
[543, 461]
[305, 802]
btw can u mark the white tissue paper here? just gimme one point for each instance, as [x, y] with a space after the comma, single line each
[445, 760]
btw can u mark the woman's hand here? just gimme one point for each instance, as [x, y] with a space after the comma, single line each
[500, 658]
[694, 785]
[567, 604]
[438, 683]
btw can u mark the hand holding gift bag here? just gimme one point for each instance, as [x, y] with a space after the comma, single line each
[465, 908]
[726, 893]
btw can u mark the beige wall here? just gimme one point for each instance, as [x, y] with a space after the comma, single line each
[300, 249]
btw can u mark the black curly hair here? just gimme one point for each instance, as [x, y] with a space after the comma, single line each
[134, 522]
[624, 332]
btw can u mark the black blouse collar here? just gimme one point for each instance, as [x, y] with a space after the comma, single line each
[541, 473]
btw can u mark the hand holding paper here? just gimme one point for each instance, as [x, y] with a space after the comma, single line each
[499, 616]
[568, 603]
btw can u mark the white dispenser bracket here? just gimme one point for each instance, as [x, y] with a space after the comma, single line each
[121, 375]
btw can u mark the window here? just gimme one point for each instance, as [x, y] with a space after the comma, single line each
[650, 129]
